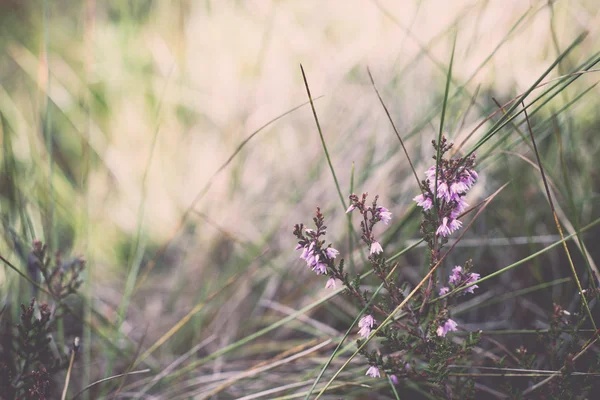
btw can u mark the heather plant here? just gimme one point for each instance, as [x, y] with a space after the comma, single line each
[31, 360]
[176, 154]
[415, 344]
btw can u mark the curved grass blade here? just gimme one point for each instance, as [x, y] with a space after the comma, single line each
[337, 185]
[557, 222]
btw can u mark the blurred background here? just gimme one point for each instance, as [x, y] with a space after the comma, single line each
[171, 145]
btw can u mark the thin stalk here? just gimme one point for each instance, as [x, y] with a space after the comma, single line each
[412, 167]
[557, 222]
[312, 106]
[68, 377]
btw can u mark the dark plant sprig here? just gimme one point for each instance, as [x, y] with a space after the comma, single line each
[30, 364]
[61, 279]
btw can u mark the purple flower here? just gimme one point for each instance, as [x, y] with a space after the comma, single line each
[394, 379]
[365, 324]
[454, 225]
[459, 278]
[350, 209]
[376, 248]
[330, 284]
[444, 290]
[456, 274]
[444, 229]
[320, 268]
[430, 174]
[471, 289]
[461, 206]
[448, 326]
[367, 320]
[468, 177]
[331, 252]
[458, 187]
[373, 372]
[299, 246]
[304, 254]
[365, 331]
[423, 201]
[452, 185]
[473, 277]
[309, 231]
[385, 215]
[448, 226]
[443, 192]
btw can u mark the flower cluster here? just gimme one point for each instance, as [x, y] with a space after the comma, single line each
[314, 253]
[445, 185]
[371, 216]
[460, 278]
[415, 335]
[365, 324]
[446, 327]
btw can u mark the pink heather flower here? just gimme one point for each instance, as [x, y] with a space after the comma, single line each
[461, 206]
[350, 209]
[423, 201]
[330, 284]
[454, 225]
[456, 274]
[304, 254]
[469, 177]
[373, 372]
[365, 331]
[471, 289]
[320, 268]
[430, 174]
[331, 252]
[458, 187]
[440, 331]
[444, 229]
[376, 248]
[298, 247]
[309, 231]
[394, 379]
[365, 324]
[448, 326]
[385, 215]
[444, 290]
[473, 277]
[443, 192]
[367, 320]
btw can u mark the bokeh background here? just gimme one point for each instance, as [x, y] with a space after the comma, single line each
[125, 128]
